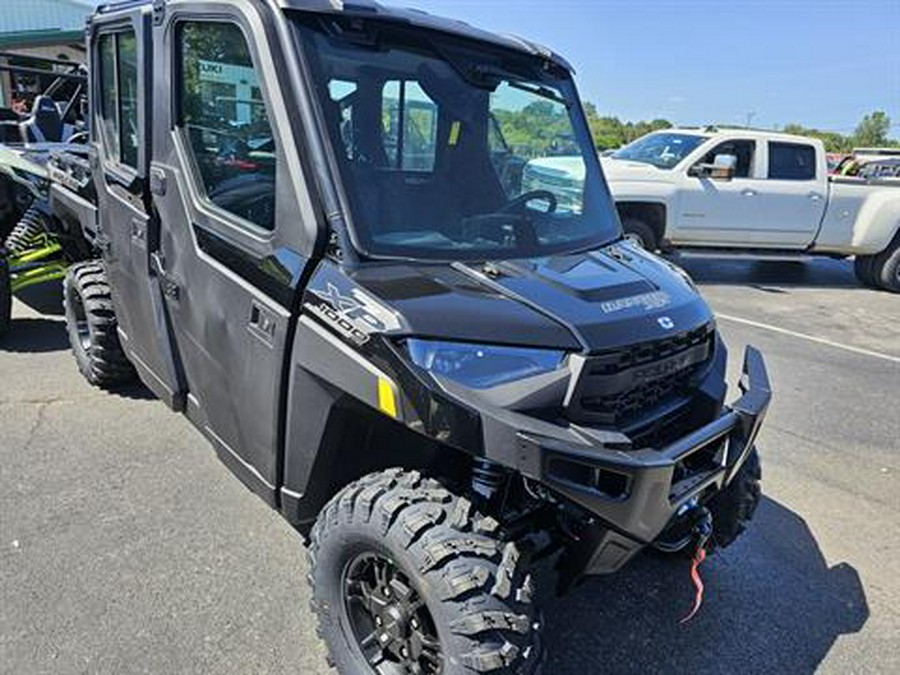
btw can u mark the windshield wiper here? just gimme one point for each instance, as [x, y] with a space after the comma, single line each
[539, 90]
[489, 77]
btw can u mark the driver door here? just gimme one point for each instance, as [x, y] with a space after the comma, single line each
[719, 212]
[237, 230]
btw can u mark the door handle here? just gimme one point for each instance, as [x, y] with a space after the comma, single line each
[815, 196]
[747, 192]
[169, 286]
[129, 184]
[262, 322]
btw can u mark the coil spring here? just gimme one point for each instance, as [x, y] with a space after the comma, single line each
[487, 478]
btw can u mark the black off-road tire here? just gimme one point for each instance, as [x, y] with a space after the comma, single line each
[886, 267]
[27, 232]
[9, 213]
[91, 324]
[862, 268]
[473, 584]
[640, 233]
[733, 508]
[5, 294]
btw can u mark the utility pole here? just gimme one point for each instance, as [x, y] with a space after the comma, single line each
[750, 116]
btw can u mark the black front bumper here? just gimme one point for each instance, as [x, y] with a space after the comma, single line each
[633, 495]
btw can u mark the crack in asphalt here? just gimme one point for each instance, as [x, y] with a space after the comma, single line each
[35, 426]
[49, 400]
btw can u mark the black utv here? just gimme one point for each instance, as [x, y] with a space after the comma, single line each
[319, 244]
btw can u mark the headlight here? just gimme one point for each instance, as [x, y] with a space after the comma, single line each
[481, 366]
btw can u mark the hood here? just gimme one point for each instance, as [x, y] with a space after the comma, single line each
[565, 168]
[627, 170]
[609, 298]
[19, 160]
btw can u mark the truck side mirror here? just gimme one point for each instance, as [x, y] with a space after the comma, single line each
[722, 168]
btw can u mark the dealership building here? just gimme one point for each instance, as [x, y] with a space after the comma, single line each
[52, 29]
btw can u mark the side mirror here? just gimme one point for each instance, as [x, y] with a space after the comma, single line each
[722, 168]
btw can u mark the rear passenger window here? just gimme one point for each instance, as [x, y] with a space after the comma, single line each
[792, 161]
[118, 109]
[409, 120]
[224, 117]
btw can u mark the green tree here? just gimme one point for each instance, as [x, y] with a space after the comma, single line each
[834, 142]
[872, 131]
[611, 132]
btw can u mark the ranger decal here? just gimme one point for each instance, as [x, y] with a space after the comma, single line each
[649, 301]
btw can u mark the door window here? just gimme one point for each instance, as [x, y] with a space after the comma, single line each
[792, 161]
[118, 109]
[744, 150]
[409, 125]
[225, 120]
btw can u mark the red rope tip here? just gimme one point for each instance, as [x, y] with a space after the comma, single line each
[699, 557]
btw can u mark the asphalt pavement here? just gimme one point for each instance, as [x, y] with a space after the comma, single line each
[126, 547]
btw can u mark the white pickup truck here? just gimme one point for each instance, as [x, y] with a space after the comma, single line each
[746, 191]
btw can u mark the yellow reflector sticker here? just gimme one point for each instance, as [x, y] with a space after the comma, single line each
[387, 401]
[454, 134]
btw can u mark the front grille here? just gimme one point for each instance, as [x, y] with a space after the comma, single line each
[615, 361]
[630, 389]
[618, 409]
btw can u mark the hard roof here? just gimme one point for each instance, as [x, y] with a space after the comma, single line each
[421, 19]
[410, 17]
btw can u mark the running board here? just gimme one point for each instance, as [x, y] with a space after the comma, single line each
[742, 254]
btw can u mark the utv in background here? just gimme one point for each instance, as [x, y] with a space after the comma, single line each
[48, 236]
[316, 244]
[56, 117]
[40, 148]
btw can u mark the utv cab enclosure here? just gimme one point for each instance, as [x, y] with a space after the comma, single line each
[317, 245]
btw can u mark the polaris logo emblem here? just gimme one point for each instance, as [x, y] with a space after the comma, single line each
[666, 322]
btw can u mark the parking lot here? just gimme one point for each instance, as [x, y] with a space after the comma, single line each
[125, 547]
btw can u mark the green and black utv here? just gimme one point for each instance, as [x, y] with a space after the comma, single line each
[36, 149]
[46, 239]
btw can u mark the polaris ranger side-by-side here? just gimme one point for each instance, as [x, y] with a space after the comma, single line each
[317, 246]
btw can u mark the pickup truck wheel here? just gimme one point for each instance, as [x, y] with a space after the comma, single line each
[863, 267]
[27, 232]
[5, 294]
[91, 324]
[408, 578]
[886, 267]
[640, 233]
[733, 508]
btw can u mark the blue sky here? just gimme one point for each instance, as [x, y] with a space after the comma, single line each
[820, 63]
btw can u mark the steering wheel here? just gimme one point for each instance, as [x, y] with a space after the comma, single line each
[522, 200]
[511, 221]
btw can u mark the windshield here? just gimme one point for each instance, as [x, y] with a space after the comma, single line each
[454, 150]
[662, 150]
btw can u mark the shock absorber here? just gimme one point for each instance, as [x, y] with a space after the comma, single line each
[487, 478]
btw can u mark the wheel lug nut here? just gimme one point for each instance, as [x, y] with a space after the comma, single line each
[404, 652]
